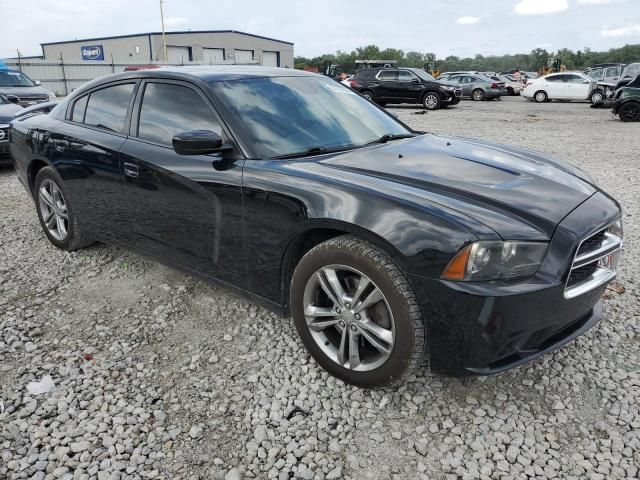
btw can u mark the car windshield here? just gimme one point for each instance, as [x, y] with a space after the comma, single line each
[283, 116]
[631, 70]
[422, 74]
[15, 79]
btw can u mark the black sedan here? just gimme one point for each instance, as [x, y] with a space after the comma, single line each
[387, 246]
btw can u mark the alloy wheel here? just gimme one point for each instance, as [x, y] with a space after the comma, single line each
[478, 95]
[431, 101]
[597, 97]
[349, 318]
[53, 209]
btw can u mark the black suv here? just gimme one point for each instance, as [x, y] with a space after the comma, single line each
[405, 85]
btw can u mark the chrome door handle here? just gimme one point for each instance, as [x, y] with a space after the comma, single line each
[131, 170]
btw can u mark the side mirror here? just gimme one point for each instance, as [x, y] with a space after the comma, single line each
[586, 81]
[37, 82]
[13, 99]
[198, 142]
[415, 80]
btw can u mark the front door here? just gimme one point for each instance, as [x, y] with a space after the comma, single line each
[409, 86]
[576, 88]
[184, 208]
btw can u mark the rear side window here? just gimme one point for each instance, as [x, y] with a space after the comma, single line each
[78, 109]
[388, 75]
[556, 78]
[107, 108]
[364, 74]
[169, 109]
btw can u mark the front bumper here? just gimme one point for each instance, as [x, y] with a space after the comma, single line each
[481, 328]
[5, 158]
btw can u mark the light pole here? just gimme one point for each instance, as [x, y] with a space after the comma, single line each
[164, 39]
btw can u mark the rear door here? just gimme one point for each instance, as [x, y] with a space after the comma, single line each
[466, 82]
[85, 153]
[387, 89]
[554, 85]
[184, 208]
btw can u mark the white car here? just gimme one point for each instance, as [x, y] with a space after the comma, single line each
[560, 86]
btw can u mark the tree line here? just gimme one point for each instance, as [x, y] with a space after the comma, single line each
[573, 60]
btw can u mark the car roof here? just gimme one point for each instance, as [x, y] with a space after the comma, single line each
[214, 73]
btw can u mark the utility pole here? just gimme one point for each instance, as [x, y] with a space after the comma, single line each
[164, 39]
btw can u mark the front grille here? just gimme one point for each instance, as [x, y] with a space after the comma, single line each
[581, 273]
[591, 243]
[26, 100]
[594, 263]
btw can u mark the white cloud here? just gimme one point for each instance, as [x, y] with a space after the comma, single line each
[175, 21]
[468, 20]
[596, 2]
[541, 7]
[630, 31]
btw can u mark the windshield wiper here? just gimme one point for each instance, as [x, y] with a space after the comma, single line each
[390, 136]
[313, 151]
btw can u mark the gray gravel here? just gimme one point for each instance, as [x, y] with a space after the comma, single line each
[158, 375]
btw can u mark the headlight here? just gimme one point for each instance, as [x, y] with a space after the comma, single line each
[616, 229]
[495, 260]
[449, 87]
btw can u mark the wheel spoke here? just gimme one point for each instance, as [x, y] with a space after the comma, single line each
[380, 338]
[354, 352]
[342, 354]
[47, 219]
[46, 197]
[62, 229]
[374, 297]
[51, 222]
[321, 318]
[362, 285]
[313, 311]
[331, 286]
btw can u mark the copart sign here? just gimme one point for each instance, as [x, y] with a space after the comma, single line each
[92, 52]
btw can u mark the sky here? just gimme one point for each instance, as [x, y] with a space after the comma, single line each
[445, 27]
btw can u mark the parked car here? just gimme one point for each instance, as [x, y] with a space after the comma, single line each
[39, 109]
[630, 72]
[385, 244]
[8, 111]
[405, 85]
[479, 87]
[627, 101]
[448, 75]
[513, 86]
[14, 83]
[560, 86]
[606, 72]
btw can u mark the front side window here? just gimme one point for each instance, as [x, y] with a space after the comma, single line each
[611, 72]
[107, 107]
[596, 73]
[286, 115]
[169, 109]
[406, 76]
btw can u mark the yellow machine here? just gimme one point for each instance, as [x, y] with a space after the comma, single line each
[432, 69]
[554, 65]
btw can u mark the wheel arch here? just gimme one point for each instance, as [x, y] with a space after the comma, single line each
[314, 234]
[34, 167]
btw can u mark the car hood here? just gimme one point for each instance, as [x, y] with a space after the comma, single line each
[474, 176]
[8, 111]
[19, 91]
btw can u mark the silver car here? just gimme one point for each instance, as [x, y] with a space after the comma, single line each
[478, 87]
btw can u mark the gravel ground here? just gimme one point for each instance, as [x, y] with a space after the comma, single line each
[159, 375]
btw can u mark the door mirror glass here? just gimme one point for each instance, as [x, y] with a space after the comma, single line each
[198, 142]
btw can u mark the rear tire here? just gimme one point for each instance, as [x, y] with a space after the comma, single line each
[368, 94]
[56, 213]
[478, 95]
[541, 96]
[342, 337]
[432, 101]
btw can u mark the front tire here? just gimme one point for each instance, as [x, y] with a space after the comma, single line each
[57, 215]
[356, 313]
[432, 101]
[597, 97]
[630, 112]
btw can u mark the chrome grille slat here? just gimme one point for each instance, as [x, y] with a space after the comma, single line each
[587, 272]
